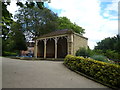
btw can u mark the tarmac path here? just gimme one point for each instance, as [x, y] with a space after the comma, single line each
[42, 74]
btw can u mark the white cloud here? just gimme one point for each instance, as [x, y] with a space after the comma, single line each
[86, 13]
[112, 7]
[12, 7]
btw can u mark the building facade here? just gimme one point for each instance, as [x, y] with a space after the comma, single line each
[58, 44]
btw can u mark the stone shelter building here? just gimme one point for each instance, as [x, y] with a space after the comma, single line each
[58, 44]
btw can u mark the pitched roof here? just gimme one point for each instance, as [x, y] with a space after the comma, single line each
[60, 32]
[57, 32]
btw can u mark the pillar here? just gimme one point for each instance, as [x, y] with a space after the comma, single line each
[70, 44]
[56, 47]
[45, 41]
[36, 46]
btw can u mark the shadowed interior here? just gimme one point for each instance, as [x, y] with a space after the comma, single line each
[62, 47]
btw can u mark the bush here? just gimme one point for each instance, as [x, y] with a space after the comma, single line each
[9, 53]
[83, 52]
[104, 72]
[112, 55]
[100, 58]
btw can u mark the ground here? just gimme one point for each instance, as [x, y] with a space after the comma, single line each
[42, 74]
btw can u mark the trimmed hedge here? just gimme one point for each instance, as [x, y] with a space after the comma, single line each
[5, 53]
[106, 73]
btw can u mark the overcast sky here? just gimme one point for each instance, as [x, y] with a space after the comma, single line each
[99, 18]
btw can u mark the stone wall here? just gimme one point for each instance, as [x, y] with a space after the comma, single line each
[79, 41]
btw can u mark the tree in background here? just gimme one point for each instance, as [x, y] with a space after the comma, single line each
[10, 36]
[36, 22]
[7, 16]
[110, 47]
[65, 23]
[112, 43]
[30, 4]
[15, 41]
[6, 22]
[83, 52]
[19, 41]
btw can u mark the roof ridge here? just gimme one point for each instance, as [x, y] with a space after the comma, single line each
[57, 32]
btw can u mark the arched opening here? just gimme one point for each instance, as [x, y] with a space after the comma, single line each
[50, 48]
[40, 49]
[62, 47]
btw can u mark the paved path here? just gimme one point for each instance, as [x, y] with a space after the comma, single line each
[42, 74]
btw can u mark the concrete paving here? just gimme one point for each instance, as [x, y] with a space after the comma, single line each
[42, 74]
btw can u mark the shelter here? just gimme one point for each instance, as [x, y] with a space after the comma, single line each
[58, 44]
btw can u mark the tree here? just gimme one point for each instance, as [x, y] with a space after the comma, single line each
[12, 38]
[6, 22]
[18, 38]
[7, 16]
[112, 43]
[65, 23]
[29, 4]
[83, 52]
[36, 21]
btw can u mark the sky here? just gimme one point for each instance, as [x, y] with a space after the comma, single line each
[99, 18]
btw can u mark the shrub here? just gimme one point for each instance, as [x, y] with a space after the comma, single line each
[83, 52]
[115, 56]
[100, 58]
[104, 72]
[9, 53]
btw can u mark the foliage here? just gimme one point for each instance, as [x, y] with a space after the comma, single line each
[102, 71]
[19, 42]
[6, 20]
[110, 47]
[15, 39]
[100, 58]
[9, 53]
[83, 52]
[65, 23]
[110, 54]
[36, 22]
[112, 43]
[28, 4]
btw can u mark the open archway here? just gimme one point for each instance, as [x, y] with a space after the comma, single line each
[62, 47]
[40, 49]
[50, 48]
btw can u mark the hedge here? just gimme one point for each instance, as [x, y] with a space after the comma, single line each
[5, 53]
[104, 72]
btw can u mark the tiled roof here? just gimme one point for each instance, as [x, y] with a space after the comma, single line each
[60, 32]
[57, 32]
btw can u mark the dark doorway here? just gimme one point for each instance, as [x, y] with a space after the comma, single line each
[41, 49]
[62, 47]
[50, 48]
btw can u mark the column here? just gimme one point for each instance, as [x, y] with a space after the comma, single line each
[45, 41]
[36, 51]
[55, 47]
[69, 43]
